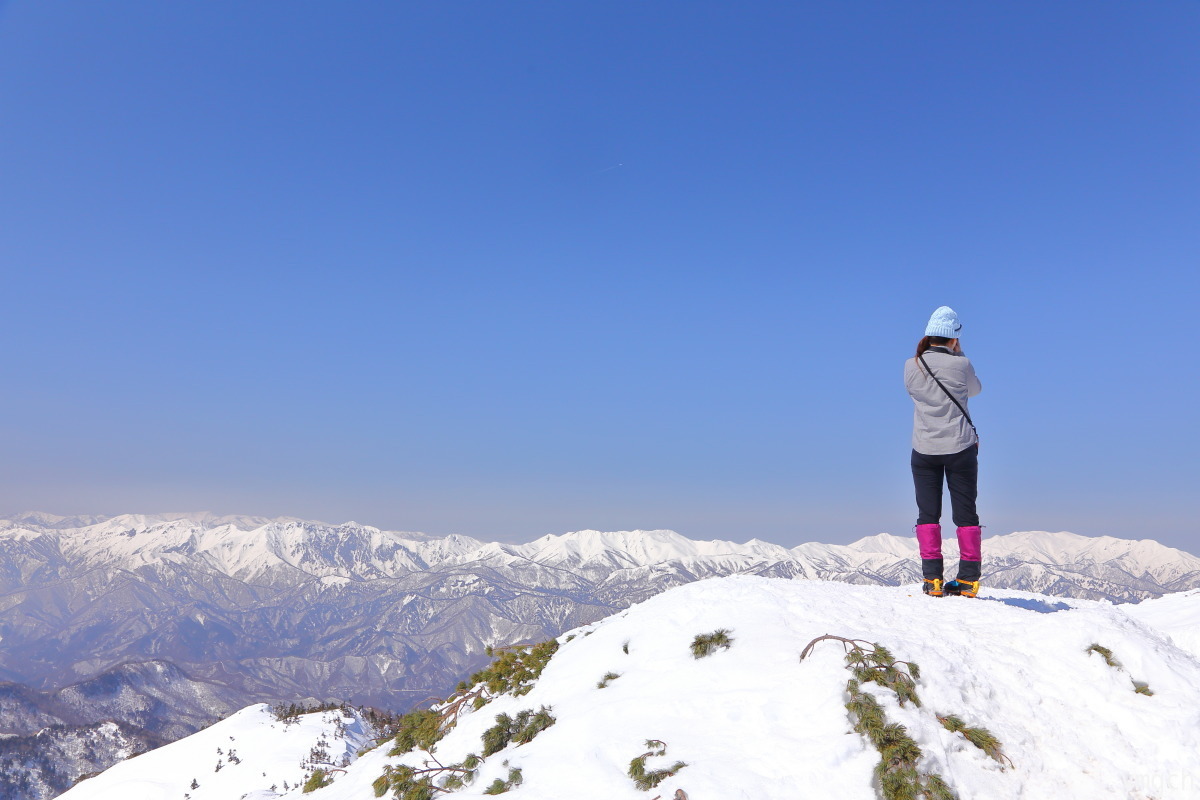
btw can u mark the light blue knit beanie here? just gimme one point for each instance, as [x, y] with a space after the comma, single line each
[944, 322]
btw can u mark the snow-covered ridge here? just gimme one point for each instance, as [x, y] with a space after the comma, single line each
[251, 751]
[755, 721]
[1175, 615]
[49, 739]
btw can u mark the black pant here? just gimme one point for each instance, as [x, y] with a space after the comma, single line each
[962, 477]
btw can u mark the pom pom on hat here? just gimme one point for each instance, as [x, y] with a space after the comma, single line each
[944, 322]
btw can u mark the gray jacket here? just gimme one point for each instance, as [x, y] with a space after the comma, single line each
[939, 428]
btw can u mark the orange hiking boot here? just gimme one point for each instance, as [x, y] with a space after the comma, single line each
[931, 570]
[961, 588]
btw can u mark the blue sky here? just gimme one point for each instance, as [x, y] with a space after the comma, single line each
[508, 269]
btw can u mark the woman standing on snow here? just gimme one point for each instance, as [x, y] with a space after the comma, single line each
[939, 381]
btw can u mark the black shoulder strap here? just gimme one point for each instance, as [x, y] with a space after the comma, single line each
[953, 399]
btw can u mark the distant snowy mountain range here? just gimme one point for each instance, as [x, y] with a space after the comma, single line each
[285, 608]
[1024, 696]
[246, 609]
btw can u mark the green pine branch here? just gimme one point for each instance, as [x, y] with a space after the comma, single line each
[896, 772]
[647, 779]
[705, 644]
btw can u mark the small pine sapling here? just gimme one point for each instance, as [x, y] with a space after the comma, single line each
[411, 783]
[896, 772]
[514, 671]
[705, 644]
[515, 668]
[952, 723]
[497, 737]
[1106, 654]
[418, 729]
[405, 784]
[319, 779]
[608, 678]
[647, 779]
[938, 789]
[879, 666]
[866, 712]
[982, 738]
[985, 740]
[521, 729]
[1141, 687]
[462, 774]
[533, 725]
[500, 786]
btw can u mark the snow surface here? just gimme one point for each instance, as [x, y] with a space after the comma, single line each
[269, 753]
[754, 721]
[1177, 615]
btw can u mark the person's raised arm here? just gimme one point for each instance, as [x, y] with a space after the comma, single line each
[974, 387]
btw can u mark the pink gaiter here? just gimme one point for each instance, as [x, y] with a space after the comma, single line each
[929, 538]
[969, 542]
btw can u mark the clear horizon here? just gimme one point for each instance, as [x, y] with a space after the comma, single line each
[510, 270]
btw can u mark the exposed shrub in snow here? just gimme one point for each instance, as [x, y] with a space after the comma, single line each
[647, 779]
[980, 737]
[608, 678]
[1141, 687]
[410, 783]
[404, 783]
[706, 644]
[461, 774]
[420, 728]
[1106, 654]
[896, 772]
[878, 666]
[500, 786]
[497, 737]
[317, 780]
[515, 668]
[535, 724]
[521, 729]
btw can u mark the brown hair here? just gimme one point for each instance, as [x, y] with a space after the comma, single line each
[928, 342]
